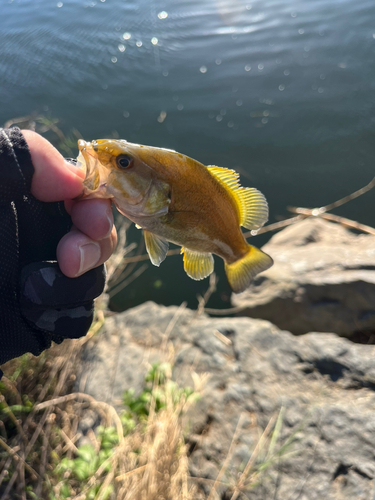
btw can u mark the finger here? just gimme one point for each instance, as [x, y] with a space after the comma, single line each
[54, 179]
[77, 253]
[93, 217]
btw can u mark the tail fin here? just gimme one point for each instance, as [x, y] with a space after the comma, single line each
[241, 273]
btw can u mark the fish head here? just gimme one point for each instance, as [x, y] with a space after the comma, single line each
[115, 169]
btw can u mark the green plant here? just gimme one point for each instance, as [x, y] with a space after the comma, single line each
[158, 387]
[73, 473]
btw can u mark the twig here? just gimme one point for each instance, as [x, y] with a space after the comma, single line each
[274, 227]
[202, 301]
[22, 483]
[172, 324]
[228, 457]
[42, 394]
[350, 197]
[21, 119]
[93, 401]
[127, 271]
[253, 458]
[4, 472]
[315, 212]
[222, 338]
[94, 477]
[107, 481]
[349, 223]
[224, 312]
[321, 211]
[13, 419]
[19, 459]
[126, 282]
[131, 472]
[69, 443]
[43, 462]
[49, 123]
[207, 480]
[43, 420]
[115, 265]
[11, 386]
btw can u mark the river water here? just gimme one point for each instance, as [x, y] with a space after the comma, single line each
[281, 90]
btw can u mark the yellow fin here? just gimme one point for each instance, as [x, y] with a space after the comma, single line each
[251, 203]
[226, 175]
[156, 247]
[254, 208]
[197, 265]
[241, 273]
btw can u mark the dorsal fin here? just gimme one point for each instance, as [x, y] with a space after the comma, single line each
[226, 175]
[251, 203]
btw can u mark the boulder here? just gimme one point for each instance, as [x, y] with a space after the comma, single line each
[323, 384]
[323, 280]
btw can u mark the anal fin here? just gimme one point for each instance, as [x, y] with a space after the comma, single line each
[156, 247]
[197, 265]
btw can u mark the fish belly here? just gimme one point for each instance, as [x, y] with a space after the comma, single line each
[197, 237]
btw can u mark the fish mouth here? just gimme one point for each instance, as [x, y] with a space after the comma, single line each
[87, 160]
[86, 150]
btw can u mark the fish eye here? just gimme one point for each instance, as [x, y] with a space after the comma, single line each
[124, 161]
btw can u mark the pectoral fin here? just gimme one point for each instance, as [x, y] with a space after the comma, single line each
[197, 265]
[156, 247]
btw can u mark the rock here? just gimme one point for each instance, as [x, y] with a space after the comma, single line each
[323, 280]
[325, 385]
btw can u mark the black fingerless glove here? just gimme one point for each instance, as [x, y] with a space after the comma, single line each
[38, 304]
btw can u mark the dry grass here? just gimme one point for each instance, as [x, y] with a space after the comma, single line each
[29, 441]
[150, 462]
[160, 470]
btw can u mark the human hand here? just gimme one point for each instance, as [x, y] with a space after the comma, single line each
[93, 236]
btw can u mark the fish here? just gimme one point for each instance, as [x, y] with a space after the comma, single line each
[177, 199]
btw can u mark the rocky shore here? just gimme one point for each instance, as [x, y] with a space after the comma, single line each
[323, 280]
[322, 287]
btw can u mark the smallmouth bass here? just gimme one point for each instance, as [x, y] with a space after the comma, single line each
[174, 198]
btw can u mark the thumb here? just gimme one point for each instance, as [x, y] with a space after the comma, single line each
[54, 179]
